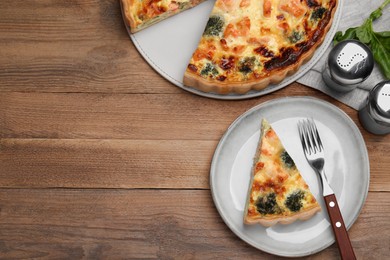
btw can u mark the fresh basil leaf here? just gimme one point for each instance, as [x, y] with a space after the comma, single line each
[363, 32]
[384, 34]
[384, 38]
[381, 41]
[381, 55]
[349, 34]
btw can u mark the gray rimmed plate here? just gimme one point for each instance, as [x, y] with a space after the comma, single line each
[168, 46]
[346, 166]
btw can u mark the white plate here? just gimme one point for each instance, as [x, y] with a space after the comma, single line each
[346, 166]
[168, 46]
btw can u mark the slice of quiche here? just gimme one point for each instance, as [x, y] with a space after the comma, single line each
[277, 192]
[140, 14]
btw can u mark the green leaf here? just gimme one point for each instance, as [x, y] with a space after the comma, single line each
[384, 34]
[384, 38]
[381, 55]
[380, 47]
[349, 34]
[363, 32]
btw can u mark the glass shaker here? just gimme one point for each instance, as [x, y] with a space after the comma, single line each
[375, 114]
[349, 63]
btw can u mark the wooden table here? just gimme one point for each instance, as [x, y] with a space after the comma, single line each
[102, 158]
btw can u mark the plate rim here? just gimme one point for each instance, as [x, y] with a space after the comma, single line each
[321, 49]
[259, 107]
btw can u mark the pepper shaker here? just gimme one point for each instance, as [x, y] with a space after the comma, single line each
[375, 114]
[349, 63]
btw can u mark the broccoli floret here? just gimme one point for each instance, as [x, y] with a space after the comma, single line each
[294, 200]
[214, 26]
[209, 69]
[267, 204]
[318, 13]
[287, 160]
[247, 65]
[295, 37]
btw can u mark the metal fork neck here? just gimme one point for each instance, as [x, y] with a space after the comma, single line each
[326, 189]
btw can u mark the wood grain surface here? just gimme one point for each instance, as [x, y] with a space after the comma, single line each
[102, 158]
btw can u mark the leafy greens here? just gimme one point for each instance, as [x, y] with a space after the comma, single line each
[378, 42]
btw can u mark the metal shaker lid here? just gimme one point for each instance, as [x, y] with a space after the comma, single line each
[380, 99]
[350, 62]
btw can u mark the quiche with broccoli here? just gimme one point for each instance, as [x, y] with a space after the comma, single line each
[277, 192]
[249, 44]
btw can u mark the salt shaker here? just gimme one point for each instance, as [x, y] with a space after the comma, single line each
[375, 114]
[349, 63]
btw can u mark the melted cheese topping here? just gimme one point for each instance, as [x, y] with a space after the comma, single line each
[276, 176]
[252, 35]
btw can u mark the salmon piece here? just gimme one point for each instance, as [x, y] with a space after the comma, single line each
[267, 8]
[241, 28]
[206, 53]
[270, 134]
[239, 49]
[227, 5]
[293, 7]
[244, 26]
[259, 41]
[284, 26]
[245, 3]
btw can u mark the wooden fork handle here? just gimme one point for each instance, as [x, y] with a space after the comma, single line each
[339, 229]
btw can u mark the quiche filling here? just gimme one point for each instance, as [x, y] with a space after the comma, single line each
[277, 193]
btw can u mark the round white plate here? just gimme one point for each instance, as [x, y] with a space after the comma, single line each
[168, 46]
[346, 167]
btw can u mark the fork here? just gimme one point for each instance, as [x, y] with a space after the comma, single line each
[314, 153]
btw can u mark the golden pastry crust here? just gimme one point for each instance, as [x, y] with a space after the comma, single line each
[193, 80]
[127, 14]
[275, 53]
[307, 214]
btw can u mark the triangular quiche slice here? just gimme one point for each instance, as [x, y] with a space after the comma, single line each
[277, 191]
[140, 14]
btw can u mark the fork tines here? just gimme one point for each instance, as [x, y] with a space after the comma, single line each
[310, 138]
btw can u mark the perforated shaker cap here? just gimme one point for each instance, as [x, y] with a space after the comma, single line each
[380, 99]
[350, 62]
